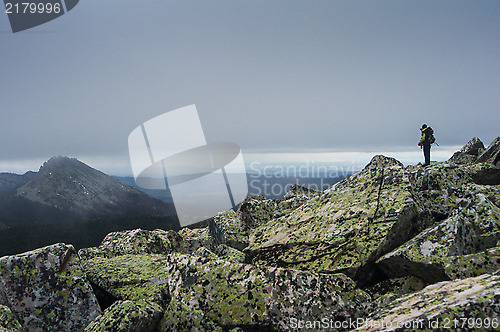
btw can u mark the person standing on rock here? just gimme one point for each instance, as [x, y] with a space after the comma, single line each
[425, 143]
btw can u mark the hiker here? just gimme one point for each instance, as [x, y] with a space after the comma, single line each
[425, 142]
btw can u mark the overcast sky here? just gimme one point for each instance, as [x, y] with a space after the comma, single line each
[278, 78]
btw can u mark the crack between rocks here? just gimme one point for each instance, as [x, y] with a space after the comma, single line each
[378, 195]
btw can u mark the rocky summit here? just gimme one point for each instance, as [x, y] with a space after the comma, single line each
[391, 248]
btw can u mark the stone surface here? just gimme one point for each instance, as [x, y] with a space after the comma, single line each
[47, 289]
[467, 266]
[256, 210]
[462, 305]
[491, 154]
[474, 147]
[233, 228]
[137, 241]
[346, 228]
[473, 228]
[184, 317]
[485, 174]
[195, 238]
[225, 293]
[227, 228]
[469, 152]
[8, 321]
[229, 254]
[128, 316]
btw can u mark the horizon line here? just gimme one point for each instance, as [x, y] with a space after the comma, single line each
[119, 165]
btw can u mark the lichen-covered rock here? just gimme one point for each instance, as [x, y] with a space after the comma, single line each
[195, 238]
[204, 252]
[256, 210]
[473, 228]
[295, 197]
[47, 289]
[346, 228]
[462, 305]
[469, 152]
[182, 317]
[130, 276]
[226, 293]
[440, 188]
[467, 266]
[137, 241]
[396, 287]
[229, 254]
[8, 321]
[491, 154]
[228, 228]
[232, 228]
[128, 316]
[485, 174]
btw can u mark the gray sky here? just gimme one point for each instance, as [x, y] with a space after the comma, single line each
[272, 76]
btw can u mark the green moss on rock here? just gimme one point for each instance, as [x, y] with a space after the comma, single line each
[130, 277]
[185, 318]
[229, 294]
[137, 241]
[128, 316]
[460, 305]
[348, 226]
[460, 267]
[473, 228]
[8, 321]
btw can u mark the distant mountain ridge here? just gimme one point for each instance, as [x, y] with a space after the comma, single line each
[67, 200]
[72, 186]
[12, 181]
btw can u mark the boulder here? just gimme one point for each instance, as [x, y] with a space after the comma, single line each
[471, 304]
[294, 198]
[8, 321]
[47, 290]
[346, 228]
[473, 228]
[485, 174]
[227, 228]
[491, 154]
[444, 187]
[195, 238]
[256, 210]
[474, 147]
[440, 188]
[467, 266]
[469, 152]
[185, 317]
[130, 276]
[128, 316]
[232, 228]
[137, 241]
[227, 294]
[229, 254]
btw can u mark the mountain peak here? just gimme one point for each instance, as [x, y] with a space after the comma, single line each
[69, 184]
[58, 162]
